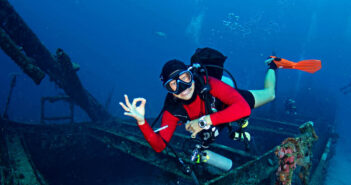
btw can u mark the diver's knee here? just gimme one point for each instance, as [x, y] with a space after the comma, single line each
[272, 95]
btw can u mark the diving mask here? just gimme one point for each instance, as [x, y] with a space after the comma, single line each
[179, 81]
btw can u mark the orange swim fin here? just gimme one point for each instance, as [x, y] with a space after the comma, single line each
[310, 66]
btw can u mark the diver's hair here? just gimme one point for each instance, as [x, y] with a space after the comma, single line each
[170, 67]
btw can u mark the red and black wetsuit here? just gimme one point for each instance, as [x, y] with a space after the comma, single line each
[237, 108]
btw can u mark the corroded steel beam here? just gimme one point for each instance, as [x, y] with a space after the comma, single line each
[24, 62]
[60, 68]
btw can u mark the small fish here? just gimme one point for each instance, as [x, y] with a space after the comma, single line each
[161, 34]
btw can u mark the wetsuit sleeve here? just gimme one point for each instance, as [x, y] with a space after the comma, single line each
[237, 106]
[154, 139]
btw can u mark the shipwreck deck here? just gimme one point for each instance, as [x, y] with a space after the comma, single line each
[27, 151]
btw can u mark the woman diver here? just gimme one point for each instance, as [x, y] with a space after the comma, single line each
[186, 101]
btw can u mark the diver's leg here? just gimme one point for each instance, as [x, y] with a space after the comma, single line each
[268, 93]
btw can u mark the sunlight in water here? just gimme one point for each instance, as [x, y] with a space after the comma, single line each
[194, 28]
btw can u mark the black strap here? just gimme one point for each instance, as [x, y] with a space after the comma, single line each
[231, 76]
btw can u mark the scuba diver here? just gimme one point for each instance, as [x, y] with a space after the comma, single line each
[185, 100]
[198, 98]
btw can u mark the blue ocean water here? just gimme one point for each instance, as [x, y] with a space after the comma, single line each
[121, 46]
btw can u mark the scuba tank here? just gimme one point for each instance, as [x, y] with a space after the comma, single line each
[216, 160]
[200, 154]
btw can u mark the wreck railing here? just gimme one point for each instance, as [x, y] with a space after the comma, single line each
[52, 100]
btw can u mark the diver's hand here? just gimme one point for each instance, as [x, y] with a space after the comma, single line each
[193, 127]
[137, 112]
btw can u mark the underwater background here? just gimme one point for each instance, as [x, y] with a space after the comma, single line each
[121, 46]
